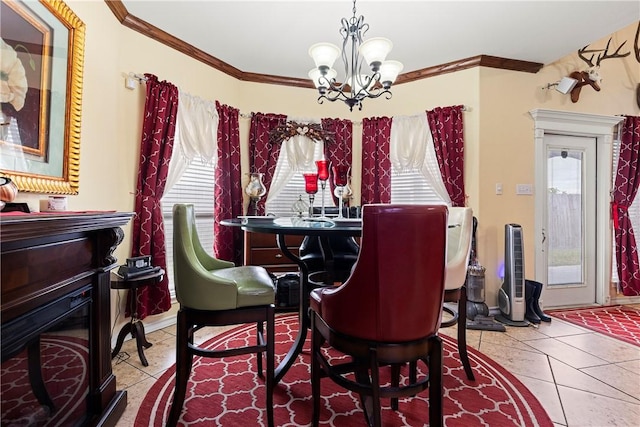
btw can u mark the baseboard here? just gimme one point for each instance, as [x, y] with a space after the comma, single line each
[160, 324]
[622, 300]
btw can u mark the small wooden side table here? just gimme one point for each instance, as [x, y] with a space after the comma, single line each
[135, 326]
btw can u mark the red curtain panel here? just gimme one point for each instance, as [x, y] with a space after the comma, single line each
[447, 130]
[156, 145]
[338, 152]
[625, 190]
[227, 242]
[376, 164]
[263, 155]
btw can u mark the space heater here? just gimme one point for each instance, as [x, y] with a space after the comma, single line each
[511, 297]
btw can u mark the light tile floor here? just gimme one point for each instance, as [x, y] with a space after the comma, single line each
[582, 378]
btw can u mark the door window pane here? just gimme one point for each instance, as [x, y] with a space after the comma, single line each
[565, 229]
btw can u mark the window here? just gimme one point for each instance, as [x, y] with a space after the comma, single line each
[196, 187]
[411, 187]
[282, 204]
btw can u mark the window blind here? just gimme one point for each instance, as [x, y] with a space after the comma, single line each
[195, 187]
[411, 187]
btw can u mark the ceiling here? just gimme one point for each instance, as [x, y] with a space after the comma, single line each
[273, 37]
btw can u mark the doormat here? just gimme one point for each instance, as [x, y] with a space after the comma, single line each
[618, 321]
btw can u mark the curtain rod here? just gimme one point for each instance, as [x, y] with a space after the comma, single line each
[249, 115]
[141, 78]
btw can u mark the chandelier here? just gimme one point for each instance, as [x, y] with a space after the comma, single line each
[355, 52]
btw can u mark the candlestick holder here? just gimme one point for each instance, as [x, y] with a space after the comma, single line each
[255, 189]
[311, 187]
[323, 176]
[323, 185]
[340, 179]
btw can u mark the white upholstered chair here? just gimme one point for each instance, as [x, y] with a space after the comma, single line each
[460, 232]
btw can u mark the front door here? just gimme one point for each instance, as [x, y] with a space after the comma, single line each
[568, 241]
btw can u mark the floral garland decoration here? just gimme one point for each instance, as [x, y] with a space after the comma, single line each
[288, 130]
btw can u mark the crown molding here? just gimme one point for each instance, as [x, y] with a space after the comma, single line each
[143, 27]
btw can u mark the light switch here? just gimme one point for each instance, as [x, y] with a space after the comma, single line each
[524, 189]
[499, 188]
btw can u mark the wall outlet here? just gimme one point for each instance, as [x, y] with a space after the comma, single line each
[524, 189]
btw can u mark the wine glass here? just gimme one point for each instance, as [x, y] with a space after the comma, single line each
[311, 187]
[340, 179]
[323, 176]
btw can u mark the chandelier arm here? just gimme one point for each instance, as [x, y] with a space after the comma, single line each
[334, 95]
[363, 27]
[384, 92]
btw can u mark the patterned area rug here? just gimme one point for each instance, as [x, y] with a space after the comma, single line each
[65, 372]
[618, 321]
[229, 393]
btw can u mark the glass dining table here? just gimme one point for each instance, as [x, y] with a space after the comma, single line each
[323, 228]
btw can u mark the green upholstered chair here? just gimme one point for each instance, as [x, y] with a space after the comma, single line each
[213, 292]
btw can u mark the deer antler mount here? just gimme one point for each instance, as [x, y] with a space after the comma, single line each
[592, 75]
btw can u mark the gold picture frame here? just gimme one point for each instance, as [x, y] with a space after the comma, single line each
[42, 70]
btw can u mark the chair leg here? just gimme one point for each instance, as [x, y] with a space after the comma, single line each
[316, 344]
[436, 405]
[259, 341]
[184, 359]
[361, 373]
[413, 372]
[395, 382]
[375, 389]
[270, 362]
[462, 334]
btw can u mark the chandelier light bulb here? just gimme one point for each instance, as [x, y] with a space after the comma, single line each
[324, 55]
[319, 81]
[357, 85]
[375, 51]
[389, 71]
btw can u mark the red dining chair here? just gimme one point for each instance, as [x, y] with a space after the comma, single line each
[387, 312]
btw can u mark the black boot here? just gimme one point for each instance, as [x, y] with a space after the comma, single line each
[536, 303]
[530, 313]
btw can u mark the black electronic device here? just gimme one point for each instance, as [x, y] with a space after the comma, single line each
[288, 290]
[136, 267]
[139, 262]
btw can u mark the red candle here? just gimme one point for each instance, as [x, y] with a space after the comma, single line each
[340, 175]
[310, 183]
[323, 169]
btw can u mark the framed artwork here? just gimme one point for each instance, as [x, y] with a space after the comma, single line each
[41, 65]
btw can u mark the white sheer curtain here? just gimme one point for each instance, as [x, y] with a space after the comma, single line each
[411, 148]
[298, 154]
[196, 136]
